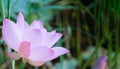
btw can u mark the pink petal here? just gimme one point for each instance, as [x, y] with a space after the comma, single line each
[38, 36]
[40, 53]
[22, 24]
[11, 34]
[58, 51]
[35, 37]
[24, 49]
[101, 63]
[51, 38]
[38, 25]
[13, 56]
[36, 63]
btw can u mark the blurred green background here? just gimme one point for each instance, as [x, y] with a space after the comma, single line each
[91, 29]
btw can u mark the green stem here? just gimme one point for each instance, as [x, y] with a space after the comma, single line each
[9, 7]
[13, 64]
[2, 5]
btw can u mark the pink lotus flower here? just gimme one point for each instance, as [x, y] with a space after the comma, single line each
[32, 43]
[101, 63]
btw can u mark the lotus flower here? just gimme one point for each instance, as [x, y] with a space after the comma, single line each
[31, 42]
[101, 63]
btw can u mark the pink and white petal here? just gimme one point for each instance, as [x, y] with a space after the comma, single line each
[51, 38]
[35, 37]
[24, 49]
[21, 23]
[58, 51]
[36, 63]
[13, 56]
[40, 53]
[38, 25]
[11, 34]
